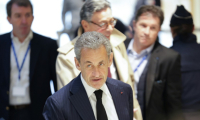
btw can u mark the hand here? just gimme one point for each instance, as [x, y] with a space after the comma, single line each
[134, 110]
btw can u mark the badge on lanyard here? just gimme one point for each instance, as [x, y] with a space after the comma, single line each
[19, 91]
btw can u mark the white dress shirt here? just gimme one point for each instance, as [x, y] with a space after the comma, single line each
[106, 100]
[113, 71]
[135, 59]
[23, 83]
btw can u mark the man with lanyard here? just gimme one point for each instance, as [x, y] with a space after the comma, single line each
[27, 66]
[156, 68]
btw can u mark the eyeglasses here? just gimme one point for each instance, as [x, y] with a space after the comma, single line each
[105, 25]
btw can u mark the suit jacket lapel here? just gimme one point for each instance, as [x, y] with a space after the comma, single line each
[151, 73]
[80, 100]
[127, 41]
[35, 49]
[118, 100]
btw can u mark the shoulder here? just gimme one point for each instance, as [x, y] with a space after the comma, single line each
[42, 38]
[67, 47]
[5, 41]
[63, 94]
[44, 41]
[117, 38]
[4, 37]
[38, 36]
[164, 51]
[118, 83]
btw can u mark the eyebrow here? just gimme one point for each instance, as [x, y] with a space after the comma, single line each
[18, 13]
[101, 61]
[87, 62]
[109, 20]
[91, 62]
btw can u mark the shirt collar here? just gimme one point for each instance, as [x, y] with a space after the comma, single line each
[131, 51]
[90, 90]
[27, 39]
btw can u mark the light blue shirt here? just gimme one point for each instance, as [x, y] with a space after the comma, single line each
[135, 59]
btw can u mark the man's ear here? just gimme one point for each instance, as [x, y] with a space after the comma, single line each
[85, 25]
[110, 59]
[33, 18]
[8, 18]
[193, 28]
[77, 64]
[134, 24]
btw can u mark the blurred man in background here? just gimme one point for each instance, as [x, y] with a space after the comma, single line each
[27, 66]
[185, 42]
[156, 68]
[73, 7]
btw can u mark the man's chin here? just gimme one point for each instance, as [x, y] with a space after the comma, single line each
[108, 37]
[97, 84]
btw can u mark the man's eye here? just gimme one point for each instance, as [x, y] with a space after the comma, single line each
[17, 15]
[112, 21]
[143, 25]
[102, 24]
[101, 64]
[28, 15]
[89, 66]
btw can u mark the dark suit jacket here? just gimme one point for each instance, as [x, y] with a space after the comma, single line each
[163, 84]
[72, 103]
[42, 70]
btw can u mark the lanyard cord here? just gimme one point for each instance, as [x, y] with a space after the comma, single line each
[145, 57]
[20, 68]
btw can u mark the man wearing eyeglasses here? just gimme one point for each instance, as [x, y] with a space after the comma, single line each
[96, 15]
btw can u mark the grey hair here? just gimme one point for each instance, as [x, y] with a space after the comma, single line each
[92, 6]
[91, 40]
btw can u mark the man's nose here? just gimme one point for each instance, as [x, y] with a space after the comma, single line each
[147, 31]
[110, 28]
[95, 72]
[24, 20]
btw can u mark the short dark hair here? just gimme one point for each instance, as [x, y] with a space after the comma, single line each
[184, 29]
[24, 3]
[155, 10]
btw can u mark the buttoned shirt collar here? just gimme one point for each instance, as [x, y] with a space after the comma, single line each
[130, 50]
[27, 39]
[90, 90]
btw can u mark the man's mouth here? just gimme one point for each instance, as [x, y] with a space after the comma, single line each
[108, 36]
[96, 79]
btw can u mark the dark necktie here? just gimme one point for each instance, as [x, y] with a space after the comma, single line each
[101, 113]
